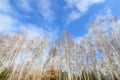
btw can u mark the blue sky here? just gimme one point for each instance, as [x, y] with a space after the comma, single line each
[54, 16]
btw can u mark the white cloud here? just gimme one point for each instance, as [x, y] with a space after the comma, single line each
[5, 6]
[24, 4]
[7, 23]
[37, 31]
[81, 5]
[46, 10]
[74, 15]
[32, 30]
[10, 25]
[41, 6]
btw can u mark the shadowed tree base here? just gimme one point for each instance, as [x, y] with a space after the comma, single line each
[64, 76]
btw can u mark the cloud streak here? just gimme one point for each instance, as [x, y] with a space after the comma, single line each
[41, 7]
[45, 8]
[79, 7]
[5, 6]
[11, 24]
[7, 23]
[24, 4]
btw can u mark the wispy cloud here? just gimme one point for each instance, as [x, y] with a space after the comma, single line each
[7, 23]
[11, 24]
[24, 4]
[73, 16]
[45, 8]
[79, 7]
[5, 6]
[34, 30]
